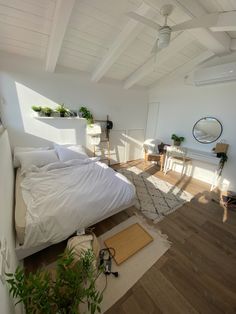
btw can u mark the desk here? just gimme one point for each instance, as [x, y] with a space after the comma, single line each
[194, 154]
[203, 156]
[207, 157]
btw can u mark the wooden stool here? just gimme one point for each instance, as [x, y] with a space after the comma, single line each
[228, 200]
[157, 158]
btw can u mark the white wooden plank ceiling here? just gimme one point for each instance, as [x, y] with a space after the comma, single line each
[99, 38]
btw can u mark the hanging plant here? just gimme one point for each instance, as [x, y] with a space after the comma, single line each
[85, 113]
[223, 159]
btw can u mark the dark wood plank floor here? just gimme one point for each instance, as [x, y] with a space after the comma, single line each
[197, 274]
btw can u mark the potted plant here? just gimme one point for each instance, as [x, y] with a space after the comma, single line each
[47, 111]
[177, 140]
[62, 110]
[37, 109]
[61, 291]
[85, 113]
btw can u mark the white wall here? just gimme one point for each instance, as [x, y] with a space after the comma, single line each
[6, 217]
[182, 105]
[25, 83]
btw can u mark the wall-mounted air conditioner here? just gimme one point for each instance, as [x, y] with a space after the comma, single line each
[215, 74]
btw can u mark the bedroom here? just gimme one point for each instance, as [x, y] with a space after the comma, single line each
[95, 54]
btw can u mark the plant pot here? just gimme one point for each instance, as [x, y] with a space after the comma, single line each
[36, 113]
[176, 143]
[62, 114]
[47, 114]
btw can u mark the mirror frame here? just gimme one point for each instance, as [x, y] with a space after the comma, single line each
[211, 141]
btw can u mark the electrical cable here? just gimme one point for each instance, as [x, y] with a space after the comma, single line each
[106, 262]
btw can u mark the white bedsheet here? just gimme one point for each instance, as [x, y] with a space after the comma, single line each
[63, 197]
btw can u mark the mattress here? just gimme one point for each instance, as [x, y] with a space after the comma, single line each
[20, 209]
[60, 198]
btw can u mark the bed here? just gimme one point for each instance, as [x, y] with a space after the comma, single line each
[55, 200]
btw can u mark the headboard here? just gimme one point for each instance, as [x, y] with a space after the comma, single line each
[6, 213]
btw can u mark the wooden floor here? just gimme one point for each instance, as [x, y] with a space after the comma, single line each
[197, 274]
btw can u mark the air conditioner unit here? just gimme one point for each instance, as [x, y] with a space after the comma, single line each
[215, 74]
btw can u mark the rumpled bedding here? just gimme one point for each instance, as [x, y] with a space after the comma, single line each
[65, 196]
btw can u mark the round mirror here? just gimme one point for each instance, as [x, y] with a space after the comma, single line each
[207, 130]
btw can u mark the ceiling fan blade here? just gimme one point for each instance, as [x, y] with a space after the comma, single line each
[155, 47]
[155, 51]
[144, 20]
[156, 55]
[205, 21]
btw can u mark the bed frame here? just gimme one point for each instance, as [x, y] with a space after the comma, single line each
[22, 252]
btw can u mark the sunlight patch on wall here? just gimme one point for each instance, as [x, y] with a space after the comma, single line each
[65, 134]
[135, 139]
[58, 130]
[225, 185]
[28, 97]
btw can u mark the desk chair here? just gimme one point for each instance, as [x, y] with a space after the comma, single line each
[176, 154]
[151, 152]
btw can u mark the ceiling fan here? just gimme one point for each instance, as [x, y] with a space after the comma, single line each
[164, 31]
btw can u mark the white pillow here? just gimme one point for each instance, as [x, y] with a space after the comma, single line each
[19, 149]
[66, 153]
[36, 158]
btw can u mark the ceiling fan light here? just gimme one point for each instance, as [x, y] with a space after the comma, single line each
[164, 37]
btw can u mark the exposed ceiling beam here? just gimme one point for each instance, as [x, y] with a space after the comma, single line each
[186, 67]
[141, 72]
[177, 44]
[217, 22]
[226, 22]
[126, 36]
[219, 43]
[59, 25]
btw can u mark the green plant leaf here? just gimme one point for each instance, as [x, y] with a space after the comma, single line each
[74, 283]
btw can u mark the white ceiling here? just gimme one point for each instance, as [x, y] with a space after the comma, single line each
[95, 25]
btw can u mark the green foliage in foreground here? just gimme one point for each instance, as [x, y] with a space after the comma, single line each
[72, 284]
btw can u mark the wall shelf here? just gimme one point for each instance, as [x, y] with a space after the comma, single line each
[58, 118]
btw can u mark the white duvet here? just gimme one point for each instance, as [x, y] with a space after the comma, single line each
[64, 197]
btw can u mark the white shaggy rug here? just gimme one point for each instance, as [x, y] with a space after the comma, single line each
[155, 198]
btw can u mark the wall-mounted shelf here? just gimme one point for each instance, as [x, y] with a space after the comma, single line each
[58, 118]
